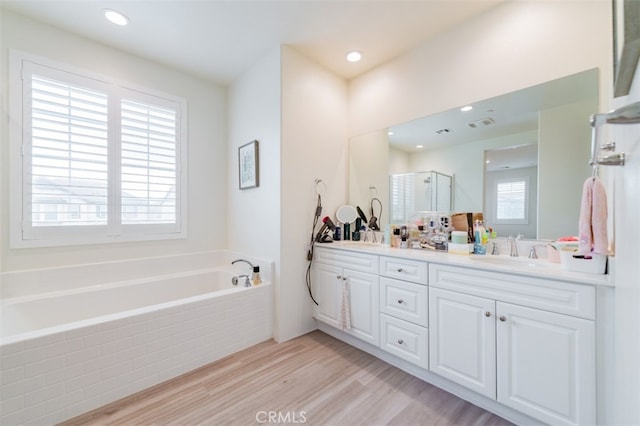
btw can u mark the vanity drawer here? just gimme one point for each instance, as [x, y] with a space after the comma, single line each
[347, 259]
[404, 300]
[404, 269]
[547, 294]
[405, 340]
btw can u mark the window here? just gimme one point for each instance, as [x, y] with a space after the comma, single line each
[512, 201]
[99, 161]
[402, 197]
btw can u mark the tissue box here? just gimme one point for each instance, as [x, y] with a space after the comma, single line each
[591, 264]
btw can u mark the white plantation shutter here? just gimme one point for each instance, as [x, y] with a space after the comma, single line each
[99, 162]
[69, 154]
[512, 201]
[148, 171]
[402, 197]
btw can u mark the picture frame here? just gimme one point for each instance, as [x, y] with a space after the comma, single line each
[248, 165]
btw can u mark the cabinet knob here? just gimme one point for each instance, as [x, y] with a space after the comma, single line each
[400, 301]
[502, 318]
[487, 314]
[339, 277]
[400, 341]
[399, 269]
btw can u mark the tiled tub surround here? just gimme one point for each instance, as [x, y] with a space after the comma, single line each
[66, 361]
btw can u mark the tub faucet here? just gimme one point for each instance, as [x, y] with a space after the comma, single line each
[242, 260]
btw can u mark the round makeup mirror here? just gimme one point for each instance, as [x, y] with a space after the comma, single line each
[346, 214]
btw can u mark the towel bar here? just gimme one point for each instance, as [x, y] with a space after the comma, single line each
[628, 114]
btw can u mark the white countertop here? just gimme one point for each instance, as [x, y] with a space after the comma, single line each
[521, 266]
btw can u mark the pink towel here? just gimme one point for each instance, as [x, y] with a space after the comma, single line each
[593, 219]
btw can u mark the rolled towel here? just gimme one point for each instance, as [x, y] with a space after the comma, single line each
[344, 316]
[593, 219]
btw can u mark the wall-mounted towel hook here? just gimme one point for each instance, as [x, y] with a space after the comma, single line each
[320, 187]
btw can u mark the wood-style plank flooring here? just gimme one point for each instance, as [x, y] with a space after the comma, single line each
[313, 380]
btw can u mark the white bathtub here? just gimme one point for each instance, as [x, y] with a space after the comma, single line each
[75, 348]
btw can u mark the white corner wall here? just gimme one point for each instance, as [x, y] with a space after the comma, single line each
[207, 177]
[254, 214]
[314, 146]
[298, 113]
[510, 47]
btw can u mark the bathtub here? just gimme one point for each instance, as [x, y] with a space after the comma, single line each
[67, 347]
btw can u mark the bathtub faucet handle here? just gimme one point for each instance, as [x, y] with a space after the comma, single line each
[247, 282]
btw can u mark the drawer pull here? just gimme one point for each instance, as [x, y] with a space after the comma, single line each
[339, 277]
[400, 301]
[400, 341]
[487, 314]
[502, 318]
[399, 269]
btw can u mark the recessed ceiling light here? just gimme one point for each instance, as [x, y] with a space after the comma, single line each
[419, 146]
[466, 108]
[354, 56]
[115, 17]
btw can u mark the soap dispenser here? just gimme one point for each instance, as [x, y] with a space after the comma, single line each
[255, 277]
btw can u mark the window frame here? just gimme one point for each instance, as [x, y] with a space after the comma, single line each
[22, 235]
[516, 221]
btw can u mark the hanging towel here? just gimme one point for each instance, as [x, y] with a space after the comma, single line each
[593, 218]
[344, 316]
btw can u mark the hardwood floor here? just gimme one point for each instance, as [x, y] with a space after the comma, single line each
[314, 380]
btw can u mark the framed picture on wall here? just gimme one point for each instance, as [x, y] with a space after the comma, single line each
[248, 163]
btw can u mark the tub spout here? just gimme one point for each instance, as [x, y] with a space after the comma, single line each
[242, 260]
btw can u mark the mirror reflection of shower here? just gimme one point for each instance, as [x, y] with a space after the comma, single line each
[430, 191]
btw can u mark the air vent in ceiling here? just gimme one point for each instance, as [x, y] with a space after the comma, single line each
[481, 123]
[443, 131]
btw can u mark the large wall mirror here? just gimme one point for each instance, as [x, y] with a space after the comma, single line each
[538, 137]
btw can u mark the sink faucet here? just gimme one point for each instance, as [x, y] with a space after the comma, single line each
[513, 244]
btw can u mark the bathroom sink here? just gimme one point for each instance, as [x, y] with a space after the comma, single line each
[516, 262]
[360, 244]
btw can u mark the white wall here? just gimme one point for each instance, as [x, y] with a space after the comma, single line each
[513, 46]
[206, 132]
[297, 111]
[254, 214]
[563, 134]
[314, 146]
[369, 158]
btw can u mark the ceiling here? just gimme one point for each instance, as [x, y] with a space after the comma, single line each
[218, 40]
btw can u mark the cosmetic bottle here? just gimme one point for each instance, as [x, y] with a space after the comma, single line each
[386, 239]
[336, 233]
[255, 276]
[347, 231]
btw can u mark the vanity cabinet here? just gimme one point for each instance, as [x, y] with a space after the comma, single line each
[360, 273]
[404, 309]
[522, 341]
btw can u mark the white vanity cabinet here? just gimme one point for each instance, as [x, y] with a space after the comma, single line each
[404, 309]
[526, 342]
[360, 273]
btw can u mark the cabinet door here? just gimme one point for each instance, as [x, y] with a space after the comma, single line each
[364, 298]
[462, 339]
[326, 292]
[546, 365]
